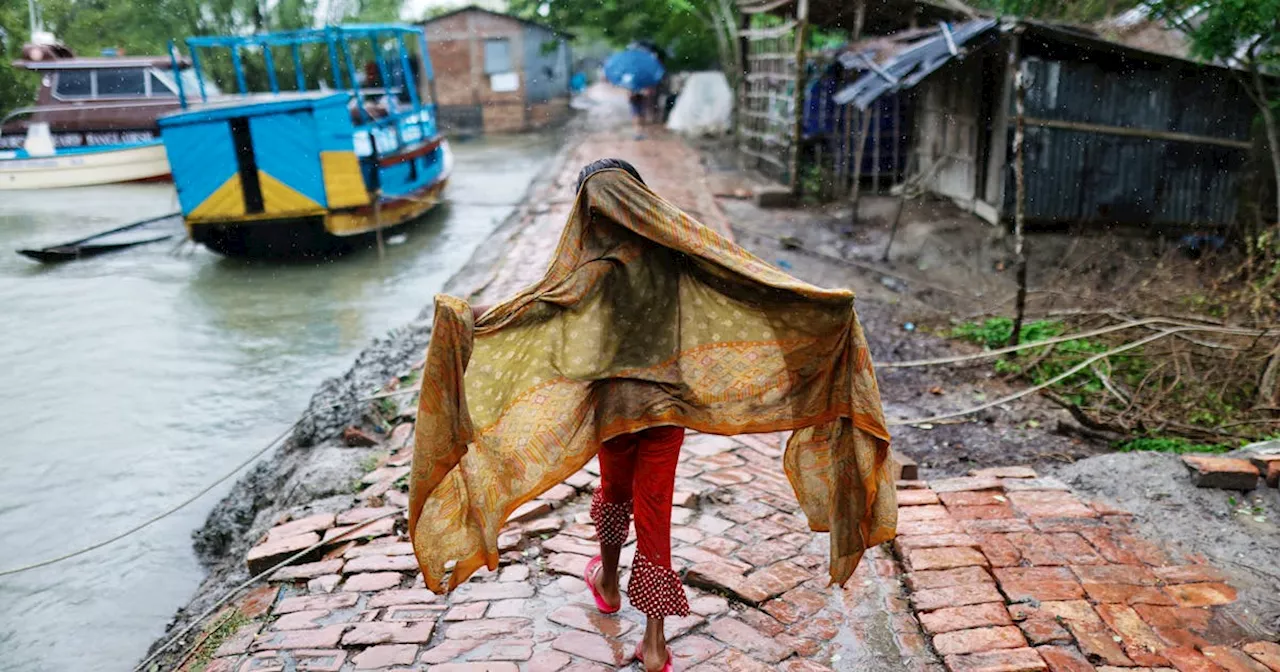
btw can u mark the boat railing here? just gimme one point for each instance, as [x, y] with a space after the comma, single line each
[390, 48]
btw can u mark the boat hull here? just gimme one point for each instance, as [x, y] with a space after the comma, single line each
[85, 167]
[316, 236]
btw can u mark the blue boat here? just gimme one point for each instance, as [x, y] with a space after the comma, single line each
[319, 163]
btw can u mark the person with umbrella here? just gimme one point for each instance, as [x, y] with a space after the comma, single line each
[638, 70]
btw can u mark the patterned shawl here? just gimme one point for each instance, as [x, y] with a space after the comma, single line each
[644, 318]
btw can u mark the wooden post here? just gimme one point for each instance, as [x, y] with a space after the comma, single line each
[802, 30]
[858, 151]
[859, 20]
[878, 110]
[1020, 206]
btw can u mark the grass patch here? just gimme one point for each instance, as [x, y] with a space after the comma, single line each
[1169, 444]
[219, 634]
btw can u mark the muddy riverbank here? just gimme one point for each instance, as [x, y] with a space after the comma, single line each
[314, 471]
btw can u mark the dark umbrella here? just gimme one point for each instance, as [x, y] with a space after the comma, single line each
[634, 69]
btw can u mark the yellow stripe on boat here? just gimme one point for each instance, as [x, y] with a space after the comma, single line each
[227, 202]
[343, 181]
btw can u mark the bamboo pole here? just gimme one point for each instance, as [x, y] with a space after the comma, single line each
[1020, 185]
[802, 31]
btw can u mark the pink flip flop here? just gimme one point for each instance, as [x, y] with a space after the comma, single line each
[588, 575]
[640, 657]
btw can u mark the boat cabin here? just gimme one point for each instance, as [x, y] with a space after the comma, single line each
[109, 100]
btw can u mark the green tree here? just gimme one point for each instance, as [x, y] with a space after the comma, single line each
[1244, 34]
[694, 32]
[1070, 11]
[16, 86]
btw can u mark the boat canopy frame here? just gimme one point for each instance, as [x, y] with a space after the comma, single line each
[338, 41]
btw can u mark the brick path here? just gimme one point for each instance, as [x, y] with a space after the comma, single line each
[1002, 571]
[999, 572]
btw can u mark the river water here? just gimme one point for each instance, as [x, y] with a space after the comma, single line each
[130, 381]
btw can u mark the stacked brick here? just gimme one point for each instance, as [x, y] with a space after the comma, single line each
[1011, 572]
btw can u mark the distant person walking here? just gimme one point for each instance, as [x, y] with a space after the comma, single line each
[645, 324]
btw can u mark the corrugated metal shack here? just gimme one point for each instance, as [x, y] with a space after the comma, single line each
[775, 134]
[1114, 134]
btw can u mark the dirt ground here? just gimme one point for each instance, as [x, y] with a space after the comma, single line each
[945, 267]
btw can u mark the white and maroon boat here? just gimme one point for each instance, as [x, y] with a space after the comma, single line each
[94, 121]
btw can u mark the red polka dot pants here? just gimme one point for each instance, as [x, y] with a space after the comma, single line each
[638, 472]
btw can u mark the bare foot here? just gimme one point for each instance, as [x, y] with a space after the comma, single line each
[609, 590]
[655, 657]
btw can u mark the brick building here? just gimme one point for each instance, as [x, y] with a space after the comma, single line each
[497, 73]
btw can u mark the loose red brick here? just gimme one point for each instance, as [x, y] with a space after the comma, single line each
[239, 641]
[273, 551]
[590, 646]
[1272, 473]
[999, 551]
[955, 596]
[1103, 540]
[1050, 504]
[489, 628]
[1037, 549]
[321, 638]
[919, 513]
[1025, 584]
[1009, 660]
[745, 638]
[1044, 631]
[1189, 660]
[1267, 653]
[469, 611]
[1189, 574]
[999, 512]
[1121, 593]
[1232, 660]
[578, 616]
[300, 620]
[1227, 473]
[1148, 552]
[377, 657]
[965, 484]
[318, 660]
[1064, 659]
[372, 581]
[487, 666]
[909, 543]
[1177, 626]
[1005, 472]
[366, 634]
[998, 526]
[317, 602]
[935, 526]
[1134, 575]
[474, 592]
[1139, 640]
[1075, 549]
[307, 571]
[448, 650]
[916, 497]
[1079, 611]
[979, 639]
[381, 563]
[981, 498]
[964, 618]
[774, 580]
[945, 578]
[313, 523]
[1098, 644]
[944, 558]
[1202, 594]
[550, 661]
[391, 598]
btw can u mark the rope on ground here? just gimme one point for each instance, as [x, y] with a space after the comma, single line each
[1058, 378]
[254, 579]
